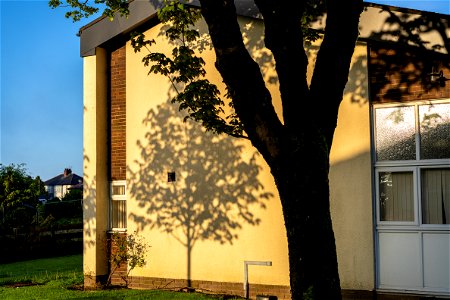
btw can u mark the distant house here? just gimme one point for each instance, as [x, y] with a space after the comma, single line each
[60, 185]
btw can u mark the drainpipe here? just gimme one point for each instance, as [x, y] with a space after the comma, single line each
[254, 263]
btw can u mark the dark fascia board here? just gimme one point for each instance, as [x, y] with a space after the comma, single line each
[102, 30]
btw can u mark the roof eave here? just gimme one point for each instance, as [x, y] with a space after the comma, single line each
[102, 30]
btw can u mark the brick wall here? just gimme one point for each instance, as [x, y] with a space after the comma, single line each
[213, 287]
[399, 75]
[117, 142]
[119, 273]
[118, 114]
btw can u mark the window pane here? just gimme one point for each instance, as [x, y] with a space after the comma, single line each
[118, 214]
[436, 196]
[395, 133]
[118, 190]
[396, 196]
[434, 131]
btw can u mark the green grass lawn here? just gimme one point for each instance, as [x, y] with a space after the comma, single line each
[51, 278]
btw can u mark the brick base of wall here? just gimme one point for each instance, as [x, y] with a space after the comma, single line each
[236, 289]
[213, 287]
[279, 291]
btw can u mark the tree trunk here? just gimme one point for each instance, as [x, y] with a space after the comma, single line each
[301, 175]
[297, 150]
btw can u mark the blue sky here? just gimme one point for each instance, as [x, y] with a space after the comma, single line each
[41, 105]
[439, 6]
[41, 89]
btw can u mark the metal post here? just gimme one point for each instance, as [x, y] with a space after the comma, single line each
[246, 264]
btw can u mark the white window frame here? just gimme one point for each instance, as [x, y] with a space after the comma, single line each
[433, 227]
[117, 198]
[415, 196]
[417, 165]
[417, 161]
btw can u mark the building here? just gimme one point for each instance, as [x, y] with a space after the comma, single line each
[389, 180]
[59, 186]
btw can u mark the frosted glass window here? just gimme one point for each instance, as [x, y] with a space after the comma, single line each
[118, 205]
[395, 133]
[436, 196]
[396, 196]
[434, 131]
[118, 189]
[118, 214]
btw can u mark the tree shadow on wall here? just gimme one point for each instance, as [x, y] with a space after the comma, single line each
[401, 68]
[402, 61]
[214, 190]
[89, 192]
[357, 88]
[94, 238]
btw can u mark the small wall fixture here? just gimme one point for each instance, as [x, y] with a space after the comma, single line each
[171, 177]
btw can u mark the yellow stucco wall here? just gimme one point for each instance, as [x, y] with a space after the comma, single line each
[267, 241]
[350, 180]
[95, 187]
[211, 260]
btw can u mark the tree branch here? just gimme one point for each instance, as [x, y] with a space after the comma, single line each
[241, 74]
[284, 37]
[333, 62]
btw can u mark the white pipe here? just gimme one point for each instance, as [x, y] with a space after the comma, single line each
[255, 263]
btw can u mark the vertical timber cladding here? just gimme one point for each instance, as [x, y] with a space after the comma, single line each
[399, 75]
[117, 147]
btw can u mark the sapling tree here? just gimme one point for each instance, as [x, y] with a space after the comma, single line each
[129, 250]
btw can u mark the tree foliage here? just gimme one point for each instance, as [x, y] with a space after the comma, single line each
[130, 250]
[185, 70]
[83, 9]
[73, 194]
[17, 187]
[19, 194]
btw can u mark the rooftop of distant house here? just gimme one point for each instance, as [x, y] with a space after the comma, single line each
[66, 178]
